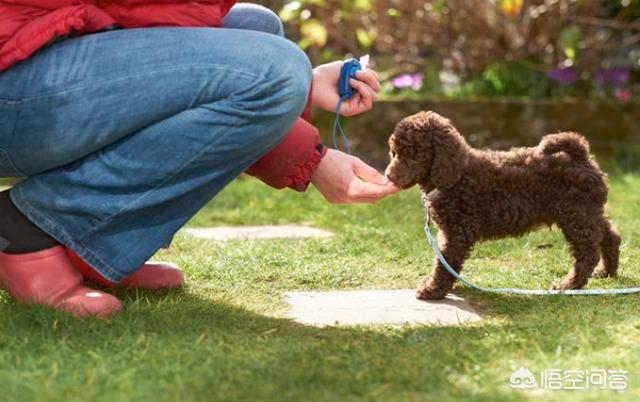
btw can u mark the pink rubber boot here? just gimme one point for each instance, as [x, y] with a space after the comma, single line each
[152, 275]
[49, 278]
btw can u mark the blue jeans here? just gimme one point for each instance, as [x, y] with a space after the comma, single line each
[124, 135]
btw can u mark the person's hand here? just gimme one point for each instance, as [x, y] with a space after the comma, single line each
[325, 89]
[344, 179]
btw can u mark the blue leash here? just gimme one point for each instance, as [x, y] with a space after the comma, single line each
[516, 291]
[338, 127]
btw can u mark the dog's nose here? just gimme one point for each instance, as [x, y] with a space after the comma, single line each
[390, 177]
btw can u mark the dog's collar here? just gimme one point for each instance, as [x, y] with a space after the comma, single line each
[425, 204]
[432, 195]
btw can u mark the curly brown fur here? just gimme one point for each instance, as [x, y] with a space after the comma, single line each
[485, 194]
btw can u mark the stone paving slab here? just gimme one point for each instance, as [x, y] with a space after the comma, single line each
[257, 232]
[367, 307]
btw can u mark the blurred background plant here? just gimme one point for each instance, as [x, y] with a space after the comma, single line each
[478, 48]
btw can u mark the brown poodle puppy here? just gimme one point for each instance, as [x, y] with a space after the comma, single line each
[477, 195]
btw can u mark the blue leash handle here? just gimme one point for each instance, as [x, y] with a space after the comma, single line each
[529, 292]
[349, 70]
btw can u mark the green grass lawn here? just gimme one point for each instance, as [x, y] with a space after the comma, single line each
[223, 337]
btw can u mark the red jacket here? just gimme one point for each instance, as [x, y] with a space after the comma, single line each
[28, 25]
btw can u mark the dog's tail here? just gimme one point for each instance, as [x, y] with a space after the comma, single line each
[573, 144]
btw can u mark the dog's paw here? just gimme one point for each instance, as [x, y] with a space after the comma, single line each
[567, 284]
[600, 272]
[428, 291]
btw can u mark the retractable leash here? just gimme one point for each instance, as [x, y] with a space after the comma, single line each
[349, 70]
[574, 292]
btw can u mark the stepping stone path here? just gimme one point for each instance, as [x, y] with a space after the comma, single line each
[257, 232]
[367, 307]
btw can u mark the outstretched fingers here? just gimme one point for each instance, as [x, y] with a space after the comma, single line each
[375, 188]
[367, 192]
[368, 173]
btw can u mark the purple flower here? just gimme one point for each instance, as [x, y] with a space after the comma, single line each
[416, 83]
[563, 76]
[616, 76]
[413, 81]
[600, 79]
[402, 81]
[619, 75]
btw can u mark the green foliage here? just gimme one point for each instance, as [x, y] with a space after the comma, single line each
[569, 39]
[495, 48]
[439, 6]
[497, 80]
[509, 79]
[613, 8]
[313, 33]
[365, 38]
[362, 5]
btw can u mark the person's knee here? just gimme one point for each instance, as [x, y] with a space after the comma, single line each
[287, 85]
[291, 70]
[265, 19]
[302, 73]
[254, 17]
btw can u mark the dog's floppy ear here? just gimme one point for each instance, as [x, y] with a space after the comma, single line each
[450, 153]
